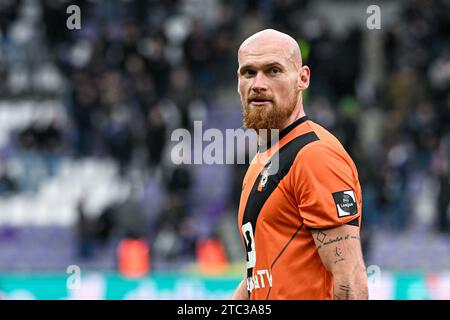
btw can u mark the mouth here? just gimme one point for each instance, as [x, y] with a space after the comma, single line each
[257, 102]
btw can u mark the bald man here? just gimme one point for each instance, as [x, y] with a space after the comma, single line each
[300, 223]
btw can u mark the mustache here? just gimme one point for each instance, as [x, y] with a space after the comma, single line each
[259, 97]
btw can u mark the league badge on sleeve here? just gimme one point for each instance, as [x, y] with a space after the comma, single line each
[345, 202]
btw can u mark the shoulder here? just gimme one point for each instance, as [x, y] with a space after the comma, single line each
[325, 158]
[320, 151]
[326, 145]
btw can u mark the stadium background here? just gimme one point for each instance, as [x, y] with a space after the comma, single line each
[86, 178]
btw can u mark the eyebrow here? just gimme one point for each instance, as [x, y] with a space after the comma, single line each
[246, 67]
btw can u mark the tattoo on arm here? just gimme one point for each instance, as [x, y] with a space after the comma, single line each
[321, 238]
[337, 249]
[351, 237]
[338, 254]
[345, 291]
[331, 241]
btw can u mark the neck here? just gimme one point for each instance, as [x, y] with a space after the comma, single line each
[295, 115]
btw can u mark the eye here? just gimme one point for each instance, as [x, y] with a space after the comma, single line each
[248, 73]
[275, 70]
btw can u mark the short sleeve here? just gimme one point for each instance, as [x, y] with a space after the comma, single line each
[326, 186]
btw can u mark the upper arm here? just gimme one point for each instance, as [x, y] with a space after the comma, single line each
[326, 187]
[340, 249]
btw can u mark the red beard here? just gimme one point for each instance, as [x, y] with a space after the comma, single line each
[271, 117]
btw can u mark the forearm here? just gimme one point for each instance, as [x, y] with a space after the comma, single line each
[241, 292]
[350, 286]
[340, 251]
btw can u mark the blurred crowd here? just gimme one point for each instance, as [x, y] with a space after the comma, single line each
[139, 69]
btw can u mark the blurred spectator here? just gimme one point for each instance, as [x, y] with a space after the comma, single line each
[51, 146]
[198, 53]
[84, 231]
[54, 16]
[179, 181]
[31, 164]
[133, 257]
[176, 235]
[182, 93]
[40, 149]
[158, 64]
[156, 136]
[85, 105]
[105, 225]
[118, 138]
[129, 217]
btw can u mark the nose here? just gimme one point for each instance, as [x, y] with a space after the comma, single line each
[259, 83]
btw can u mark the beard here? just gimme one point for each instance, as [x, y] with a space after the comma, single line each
[269, 117]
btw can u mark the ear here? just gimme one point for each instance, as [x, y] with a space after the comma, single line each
[303, 75]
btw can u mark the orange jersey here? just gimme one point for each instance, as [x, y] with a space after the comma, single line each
[314, 185]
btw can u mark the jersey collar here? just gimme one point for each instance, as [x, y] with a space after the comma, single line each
[283, 133]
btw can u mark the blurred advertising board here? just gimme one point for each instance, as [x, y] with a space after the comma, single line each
[98, 286]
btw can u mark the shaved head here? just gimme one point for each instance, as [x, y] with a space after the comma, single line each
[270, 38]
[271, 80]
